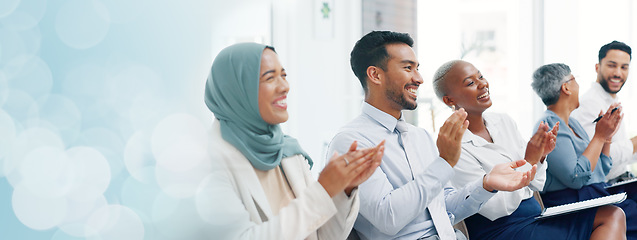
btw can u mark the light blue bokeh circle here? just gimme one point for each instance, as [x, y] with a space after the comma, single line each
[82, 24]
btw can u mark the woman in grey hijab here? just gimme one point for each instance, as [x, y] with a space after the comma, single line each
[262, 187]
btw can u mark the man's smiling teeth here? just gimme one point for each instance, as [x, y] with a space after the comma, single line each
[615, 80]
[412, 90]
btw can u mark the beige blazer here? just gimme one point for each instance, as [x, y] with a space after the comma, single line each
[240, 209]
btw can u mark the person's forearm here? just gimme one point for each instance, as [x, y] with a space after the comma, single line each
[593, 150]
[606, 148]
[340, 225]
[385, 206]
[466, 201]
[634, 140]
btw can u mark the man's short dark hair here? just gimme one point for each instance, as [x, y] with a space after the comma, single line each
[370, 51]
[614, 45]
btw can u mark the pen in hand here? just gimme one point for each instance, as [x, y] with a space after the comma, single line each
[600, 117]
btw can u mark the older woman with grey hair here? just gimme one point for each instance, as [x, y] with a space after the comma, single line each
[578, 164]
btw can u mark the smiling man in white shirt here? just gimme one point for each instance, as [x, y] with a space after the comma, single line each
[612, 73]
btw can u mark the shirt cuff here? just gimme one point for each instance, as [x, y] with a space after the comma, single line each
[344, 203]
[479, 193]
[541, 166]
[442, 170]
[526, 167]
[342, 197]
[319, 195]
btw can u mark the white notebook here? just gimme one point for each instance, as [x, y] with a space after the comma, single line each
[622, 182]
[576, 206]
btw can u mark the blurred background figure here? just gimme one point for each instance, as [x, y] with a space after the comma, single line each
[612, 73]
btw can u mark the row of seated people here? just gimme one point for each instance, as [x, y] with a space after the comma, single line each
[388, 179]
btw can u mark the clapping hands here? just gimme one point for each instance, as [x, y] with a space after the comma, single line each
[541, 143]
[347, 171]
[450, 136]
[503, 177]
[607, 126]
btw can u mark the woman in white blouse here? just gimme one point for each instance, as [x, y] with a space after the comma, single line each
[494, 138]
[261, 186]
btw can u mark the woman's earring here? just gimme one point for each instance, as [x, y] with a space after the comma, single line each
[453, 107]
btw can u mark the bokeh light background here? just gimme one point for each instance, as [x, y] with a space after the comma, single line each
[102, 121]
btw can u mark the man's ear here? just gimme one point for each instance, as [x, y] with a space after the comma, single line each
[448, 101]
[597, 67]
[374, 75]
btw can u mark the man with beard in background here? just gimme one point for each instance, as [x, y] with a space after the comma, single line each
[612, 73]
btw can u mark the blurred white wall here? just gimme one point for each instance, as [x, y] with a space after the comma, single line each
[574, 32]
[324, 93]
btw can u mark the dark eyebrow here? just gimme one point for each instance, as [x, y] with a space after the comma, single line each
[272, 71]
[266, 72]
[465, 79]
[410, 62]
